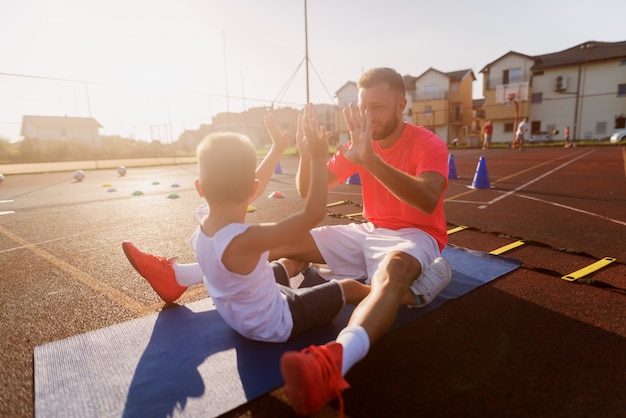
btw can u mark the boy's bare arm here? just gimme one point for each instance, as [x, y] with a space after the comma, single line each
[259, 238]
[303, 180]
[316, 139]
[280, 142]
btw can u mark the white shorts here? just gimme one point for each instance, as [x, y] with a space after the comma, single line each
[354, 251]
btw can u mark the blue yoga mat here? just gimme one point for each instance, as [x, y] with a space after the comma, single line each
[186, 361]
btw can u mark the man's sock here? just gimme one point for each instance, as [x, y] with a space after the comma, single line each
[187, 274]
[356, 344]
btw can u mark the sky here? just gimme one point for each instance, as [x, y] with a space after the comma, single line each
[149, 69]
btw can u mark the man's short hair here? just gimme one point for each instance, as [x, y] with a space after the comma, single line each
[227, 167]
[382, 75]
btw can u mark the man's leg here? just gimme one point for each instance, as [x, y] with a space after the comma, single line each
[390, 285]
[314, 376]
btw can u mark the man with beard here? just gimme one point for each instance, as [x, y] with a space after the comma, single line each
[403, 170]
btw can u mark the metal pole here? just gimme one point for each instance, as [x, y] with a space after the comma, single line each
[306, 45]
[582, 93]
[171, 135]
[225, 73]
[93, 145]
[516, 120]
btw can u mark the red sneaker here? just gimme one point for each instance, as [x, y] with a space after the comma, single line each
[313, 377]
[157, 270]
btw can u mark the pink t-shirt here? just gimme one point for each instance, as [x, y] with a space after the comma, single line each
[418, 150]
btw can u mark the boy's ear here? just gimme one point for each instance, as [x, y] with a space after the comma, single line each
[199, 188]
[254, 190]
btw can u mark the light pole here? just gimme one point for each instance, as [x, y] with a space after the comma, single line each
[580, 92]
[306, 50]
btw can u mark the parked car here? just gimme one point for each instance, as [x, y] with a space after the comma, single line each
[619, 135]
[540, 137]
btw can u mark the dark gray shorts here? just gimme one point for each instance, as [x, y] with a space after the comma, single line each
[310, 306]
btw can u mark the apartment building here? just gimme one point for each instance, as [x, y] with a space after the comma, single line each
[442, 102]
[61, 128]
[583, 87]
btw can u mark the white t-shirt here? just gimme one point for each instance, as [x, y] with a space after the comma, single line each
[251, 304]
[521, 129]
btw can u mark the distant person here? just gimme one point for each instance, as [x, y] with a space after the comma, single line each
[455, 142]
[234, 255]
[488, 128]
[566, 132]
[519, 134]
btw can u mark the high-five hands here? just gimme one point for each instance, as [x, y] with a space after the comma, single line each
[280, 139]
[359, 124]
[314, 142]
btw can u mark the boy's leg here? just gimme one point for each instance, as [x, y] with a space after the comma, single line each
[170, 279]
[187, 274]
[354, 291]
[157, 270]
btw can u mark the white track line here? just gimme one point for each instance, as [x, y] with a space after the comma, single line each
[606, 218]
[507, 194]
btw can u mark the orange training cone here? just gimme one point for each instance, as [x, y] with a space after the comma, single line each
[452, 168]
[481, 177]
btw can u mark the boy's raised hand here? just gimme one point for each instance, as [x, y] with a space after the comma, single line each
[300, 141]
[280, 139]
[315, 136]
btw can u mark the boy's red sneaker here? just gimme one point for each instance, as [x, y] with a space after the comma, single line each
[157, 270]
[313, 377]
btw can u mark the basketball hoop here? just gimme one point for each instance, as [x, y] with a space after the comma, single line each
[509, 99]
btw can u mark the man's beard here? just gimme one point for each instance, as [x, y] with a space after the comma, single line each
[386, 130]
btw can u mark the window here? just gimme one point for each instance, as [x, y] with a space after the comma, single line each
[535, 126]
[601, 128]
[536, 98]
[621, 90]
[458, 113]
[508, 127]
[515, 74]
[511, 75]
[432, 91]
[428, 110]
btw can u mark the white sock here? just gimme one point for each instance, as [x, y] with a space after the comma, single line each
[188, 274]
[356, 344]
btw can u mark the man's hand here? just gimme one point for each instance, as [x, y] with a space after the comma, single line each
[359, 124]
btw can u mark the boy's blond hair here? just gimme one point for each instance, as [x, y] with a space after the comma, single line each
[226, 165]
